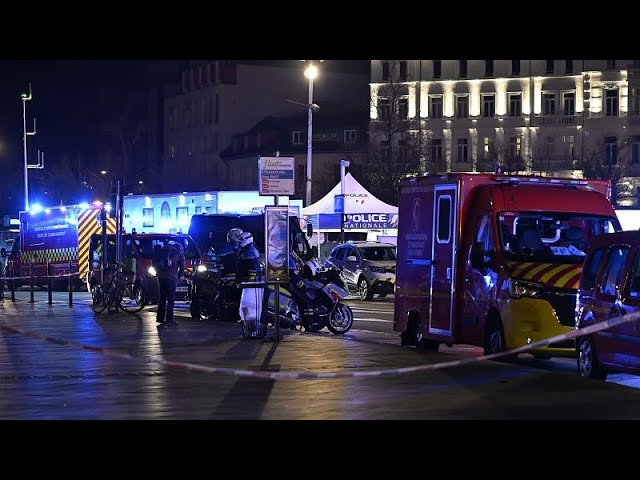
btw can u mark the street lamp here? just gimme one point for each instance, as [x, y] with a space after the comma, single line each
[311, 73]
[25, 98]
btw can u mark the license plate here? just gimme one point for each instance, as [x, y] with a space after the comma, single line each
[182, 289]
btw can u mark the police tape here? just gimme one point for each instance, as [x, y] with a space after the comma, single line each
[62, 275]
[193, 367]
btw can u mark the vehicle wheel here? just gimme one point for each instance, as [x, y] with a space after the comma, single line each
[423, 344]
[494, 337]
[133, 298]
[341, 321]
[588, 365]
[99, 300]
[382, 295]
[363, 289]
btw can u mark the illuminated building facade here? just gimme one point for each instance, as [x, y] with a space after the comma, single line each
[549, 117]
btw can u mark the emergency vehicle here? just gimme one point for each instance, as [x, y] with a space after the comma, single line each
[494, 260]
[56, 236]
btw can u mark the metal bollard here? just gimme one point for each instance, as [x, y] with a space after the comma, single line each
[12, 284]
[31, 282]
[70, 288]
[49, 283]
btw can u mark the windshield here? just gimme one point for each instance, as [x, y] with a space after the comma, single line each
[146, 245]
[377, 253]
[551, 237]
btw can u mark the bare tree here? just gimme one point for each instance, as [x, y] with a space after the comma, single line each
[124, 132]
[608, 162]
[502, 159]
[395, 143]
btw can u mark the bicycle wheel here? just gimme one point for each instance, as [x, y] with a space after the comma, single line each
[133, 298]
[99, 300]
[113, 299]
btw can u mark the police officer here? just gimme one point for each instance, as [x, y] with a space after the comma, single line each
[249, 270]
[227, 258]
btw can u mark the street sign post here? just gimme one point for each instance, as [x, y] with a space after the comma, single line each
[276, 176]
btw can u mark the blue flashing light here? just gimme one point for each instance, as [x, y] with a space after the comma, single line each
[36, 208]
[84, 205]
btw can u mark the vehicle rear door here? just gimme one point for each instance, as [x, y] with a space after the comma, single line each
[608, 305]
[631, 304]
[443, 248]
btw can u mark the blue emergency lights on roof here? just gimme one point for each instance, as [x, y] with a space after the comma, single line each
[84, 205]
[36, 208]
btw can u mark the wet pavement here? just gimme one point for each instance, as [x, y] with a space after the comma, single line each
[48, 375]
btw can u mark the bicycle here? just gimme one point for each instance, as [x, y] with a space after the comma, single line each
[119, 290]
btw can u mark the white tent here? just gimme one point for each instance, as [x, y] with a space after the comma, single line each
[357, 200]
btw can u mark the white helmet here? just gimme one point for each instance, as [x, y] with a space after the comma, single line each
[245, 239]
[233, 237]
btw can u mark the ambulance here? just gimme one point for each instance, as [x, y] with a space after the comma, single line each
[494, 260]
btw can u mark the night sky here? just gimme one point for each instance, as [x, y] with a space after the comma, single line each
[72, 99]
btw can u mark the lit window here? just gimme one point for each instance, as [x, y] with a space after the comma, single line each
[403, 107]
[435, 106]
[436, 150]
[515, 104]
[462, 106]
[384, 108]
[569, 101]
[488, 105]
[549, 105]
[515, 144]
[569, 146]
[612, 103]
[463, 150]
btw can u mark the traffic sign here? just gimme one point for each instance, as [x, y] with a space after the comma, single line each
[276, 175]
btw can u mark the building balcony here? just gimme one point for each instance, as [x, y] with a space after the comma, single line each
[554, 163]
[557, 120]
[634, 119]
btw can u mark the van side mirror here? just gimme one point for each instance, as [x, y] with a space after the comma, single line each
[352, 258]
[480, 258]
[314, 251]
[309, 230]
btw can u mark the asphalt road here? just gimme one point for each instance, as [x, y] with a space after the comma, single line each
[377, 315]
[58, 362]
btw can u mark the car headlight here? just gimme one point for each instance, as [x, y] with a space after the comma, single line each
[201, 268]
[152, 271]
[520, 288]
[378, 269]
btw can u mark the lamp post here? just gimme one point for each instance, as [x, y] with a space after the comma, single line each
[25, 98]
[311, 73]
[343, 165]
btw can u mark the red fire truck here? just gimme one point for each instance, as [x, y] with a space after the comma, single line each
[494, 260]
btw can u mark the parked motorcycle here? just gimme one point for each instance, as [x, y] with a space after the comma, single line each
[214, 298]
[317, 305]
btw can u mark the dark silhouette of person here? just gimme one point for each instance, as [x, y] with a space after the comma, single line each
[170, 265]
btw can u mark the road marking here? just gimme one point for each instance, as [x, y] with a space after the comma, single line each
[372, 320]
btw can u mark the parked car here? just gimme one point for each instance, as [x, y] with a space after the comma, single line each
[367, 268]
[610, 287]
